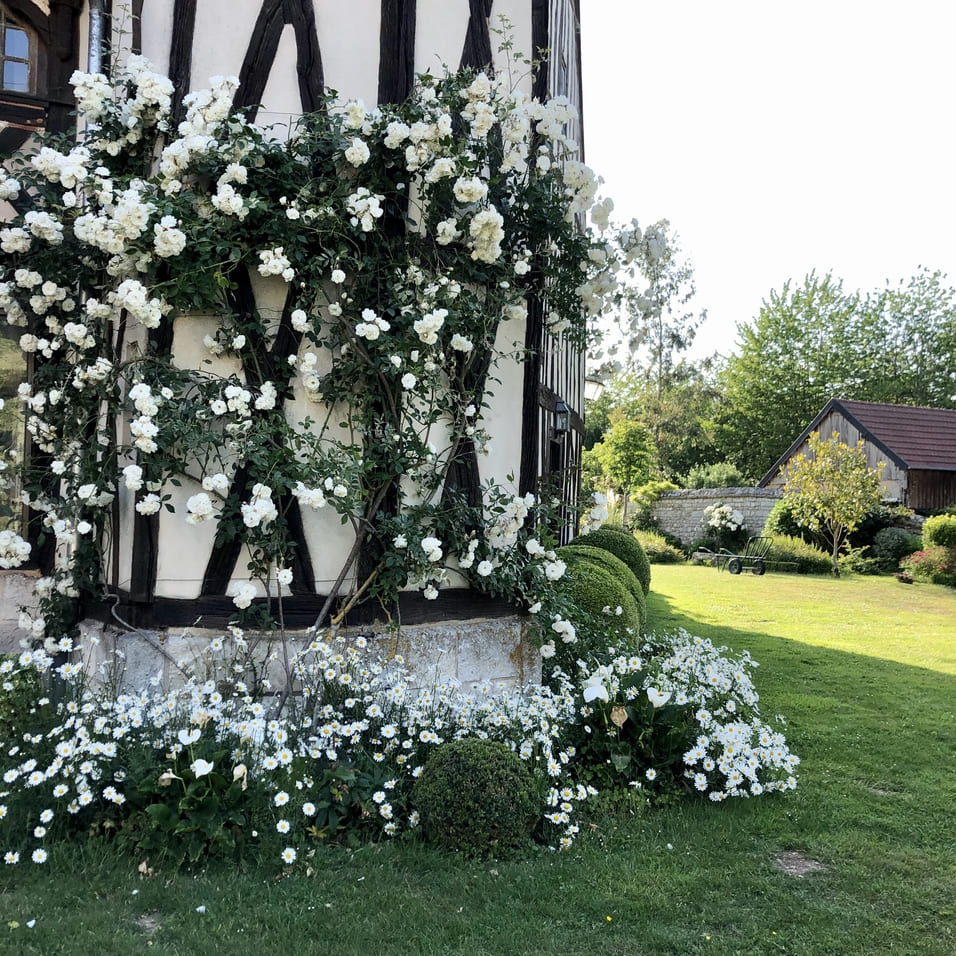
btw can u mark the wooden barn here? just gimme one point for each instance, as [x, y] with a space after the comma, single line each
[286, 53]
[917, 444]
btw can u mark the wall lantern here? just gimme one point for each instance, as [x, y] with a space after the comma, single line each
[562, 417]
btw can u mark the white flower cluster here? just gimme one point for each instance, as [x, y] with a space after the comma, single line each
[428, 326]
[310, 379]
[736, 753]
[723, 518]
[364, 208]
[598, 513]
[260, 509]
[13, 549]
[371, 326]
[143, 429]
[133, 296]
[273, 262]
[356, 707]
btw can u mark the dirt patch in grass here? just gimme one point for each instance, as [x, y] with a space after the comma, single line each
[148, 923]
[794, 863]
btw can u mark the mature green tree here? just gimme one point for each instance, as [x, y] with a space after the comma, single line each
[832, 489]
[814, 341]
[788, 364]
[625, 457]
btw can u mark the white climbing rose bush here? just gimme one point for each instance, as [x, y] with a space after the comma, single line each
[403, 236]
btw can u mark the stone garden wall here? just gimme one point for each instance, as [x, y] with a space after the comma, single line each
[681, 513]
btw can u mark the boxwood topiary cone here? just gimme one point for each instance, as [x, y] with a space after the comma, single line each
[622, 544]
[476, 796]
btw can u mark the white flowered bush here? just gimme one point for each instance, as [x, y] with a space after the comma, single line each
[226, 763]
[217, 764]
[679, 711]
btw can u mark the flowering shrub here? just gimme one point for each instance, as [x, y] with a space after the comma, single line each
[206, 769]
[724, 526]
[681, 711]
[222, 766]
[936, 565]
[397, 241]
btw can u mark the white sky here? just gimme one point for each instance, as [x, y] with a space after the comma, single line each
[777, 136]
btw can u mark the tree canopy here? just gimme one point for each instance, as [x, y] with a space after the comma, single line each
[815, 341]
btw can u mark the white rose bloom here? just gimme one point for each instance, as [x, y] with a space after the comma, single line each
[358, 152]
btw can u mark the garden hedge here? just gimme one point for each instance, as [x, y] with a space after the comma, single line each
[622, 544]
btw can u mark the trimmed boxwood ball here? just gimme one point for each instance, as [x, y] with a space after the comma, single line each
[613, 564]
[622, 544]
[476, 796]
[591, 587]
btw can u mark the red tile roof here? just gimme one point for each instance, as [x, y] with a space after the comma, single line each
[912, 436]
[918, 437]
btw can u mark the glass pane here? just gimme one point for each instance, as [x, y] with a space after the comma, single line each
[16, 76]
[16, 43]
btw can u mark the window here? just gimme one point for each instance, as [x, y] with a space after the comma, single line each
[17, 55]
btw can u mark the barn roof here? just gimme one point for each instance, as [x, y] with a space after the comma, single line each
[910, 435]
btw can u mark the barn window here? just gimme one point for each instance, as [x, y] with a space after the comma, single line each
[18, 48]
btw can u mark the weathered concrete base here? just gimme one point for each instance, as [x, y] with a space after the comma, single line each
[483, 655]
[16, 591]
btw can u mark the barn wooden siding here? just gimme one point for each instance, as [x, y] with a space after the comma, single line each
[930, 490]
[894, 476]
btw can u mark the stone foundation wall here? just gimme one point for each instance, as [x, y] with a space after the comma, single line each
[482, 655]
[681, 513]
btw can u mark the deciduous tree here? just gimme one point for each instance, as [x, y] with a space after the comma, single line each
[832, 489]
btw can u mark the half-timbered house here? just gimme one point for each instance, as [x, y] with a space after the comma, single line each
[286, 53]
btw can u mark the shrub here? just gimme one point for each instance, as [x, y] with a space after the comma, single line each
[940, 531]
[476, 796]
[798, 556]
[616, 567]
[937, 565]
[681, 713]
[782, 523]
[891, 545]
[643, 498]
[591, 587]
[658, 549]
[21, 690]
[622, 544]
[857, 561]
[721, 474]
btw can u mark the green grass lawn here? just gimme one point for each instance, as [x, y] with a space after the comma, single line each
[864, 670]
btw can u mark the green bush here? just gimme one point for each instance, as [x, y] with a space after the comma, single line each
[643, 498]
[937, 565]
[798, 556]
[722, 474]
[658, 549]
[940, 531]
[891, 545]
[622, 544]
[781, 523]
[476, 796]
[586, 590]
[21, 691]
[613, 564]
[590, 587]
[858, 561]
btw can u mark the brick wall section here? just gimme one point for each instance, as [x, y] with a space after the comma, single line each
[681, 513]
